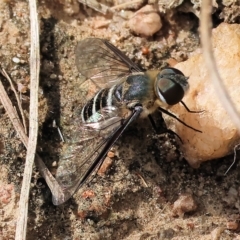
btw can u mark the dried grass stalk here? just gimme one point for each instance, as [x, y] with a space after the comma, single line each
[206, 30]
[21, 228]
[4, 73]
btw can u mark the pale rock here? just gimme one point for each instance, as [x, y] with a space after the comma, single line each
[185, 203]
[70, 7]
[16, 60]
[216, 233]
[146, 21]
[219, 135]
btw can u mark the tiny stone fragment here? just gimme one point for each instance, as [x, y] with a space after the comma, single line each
[232, 225]
[70, 7]
[54, 164]
[185, 203]
[5, 193]
[16, 60]
[166, 234]
[110, 154]
[53, 76]
[22, 88]
[216, 233]
[105, 166]
[88, 194]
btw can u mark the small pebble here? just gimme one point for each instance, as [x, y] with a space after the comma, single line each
[82, 214]
[145, 50]
[146, 21]
[88, 194]
[54, 164]
[232, 225]
[110, 154]
[105, 166]
[216, 233]
[22, 88]
[185, 203]
[5, 193]
[16, 60]
[53, 76]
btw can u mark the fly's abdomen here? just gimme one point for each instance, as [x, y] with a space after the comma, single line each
[104, 102]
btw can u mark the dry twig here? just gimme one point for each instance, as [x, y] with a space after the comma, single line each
[122, 5]
[12, 114]
[95, 5]
[21, 228]
[234, 158]
[99, 7]
[206, 30]
[4, 73]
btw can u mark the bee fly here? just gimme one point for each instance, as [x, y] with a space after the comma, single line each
[125, 93]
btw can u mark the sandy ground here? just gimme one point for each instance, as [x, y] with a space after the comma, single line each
[136, 198]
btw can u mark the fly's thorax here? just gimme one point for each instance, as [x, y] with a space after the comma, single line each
[137, 88]
[170, 86]
[151, 75]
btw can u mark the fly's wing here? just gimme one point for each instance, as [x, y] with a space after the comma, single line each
[103, 63]
[80, 158]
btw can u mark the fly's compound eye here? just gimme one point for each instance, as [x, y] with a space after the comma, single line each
[170, 71]
[171, 86]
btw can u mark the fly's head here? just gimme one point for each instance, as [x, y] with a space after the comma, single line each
[170, 86]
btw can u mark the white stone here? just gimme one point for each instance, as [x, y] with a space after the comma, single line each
[146, 21]
[16, 60]
[219, 135]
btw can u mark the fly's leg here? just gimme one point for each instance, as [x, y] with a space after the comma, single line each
[186, 107]
[161, 127]
[179, 120]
